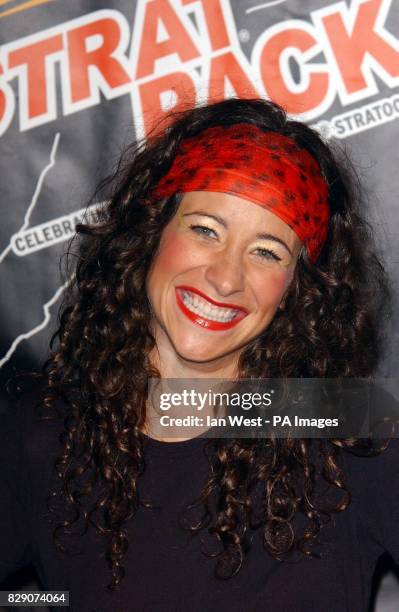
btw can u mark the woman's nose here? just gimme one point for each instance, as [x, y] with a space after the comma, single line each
[225, 273]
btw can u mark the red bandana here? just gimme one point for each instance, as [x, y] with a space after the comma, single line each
[266, 168]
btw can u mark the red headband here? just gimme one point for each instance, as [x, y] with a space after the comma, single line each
[266, 168]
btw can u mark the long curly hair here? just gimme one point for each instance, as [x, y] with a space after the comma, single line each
[330, 326]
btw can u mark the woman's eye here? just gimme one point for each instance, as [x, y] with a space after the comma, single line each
[202, 230]
[268, 254]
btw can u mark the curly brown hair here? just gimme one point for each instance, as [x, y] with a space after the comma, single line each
[330, 326]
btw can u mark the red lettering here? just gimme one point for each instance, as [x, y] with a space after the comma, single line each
[5, 101]
[178, 40]
[273, 75]
[101, 58]
[224, 67]
[34, 56]
[150, 93]
[215, 23]
[350, 48]
[3, 105]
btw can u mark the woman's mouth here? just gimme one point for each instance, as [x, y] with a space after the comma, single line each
[206, 313]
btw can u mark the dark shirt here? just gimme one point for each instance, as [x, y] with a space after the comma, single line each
[165, 567]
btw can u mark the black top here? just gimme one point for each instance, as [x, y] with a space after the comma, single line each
[165, 568]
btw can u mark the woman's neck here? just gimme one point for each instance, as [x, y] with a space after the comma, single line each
[171, 365]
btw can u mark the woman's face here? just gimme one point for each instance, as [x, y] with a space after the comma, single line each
[221, 271]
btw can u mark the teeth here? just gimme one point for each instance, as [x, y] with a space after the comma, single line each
[203, 308]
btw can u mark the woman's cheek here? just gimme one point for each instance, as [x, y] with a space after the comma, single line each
[271, 287]
[170, 251]
[178, 251]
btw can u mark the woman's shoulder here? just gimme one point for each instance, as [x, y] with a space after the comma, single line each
[373, 463]
[28, 444]
[27, 427]
[380, 454]
[377, 470]
[373, 482]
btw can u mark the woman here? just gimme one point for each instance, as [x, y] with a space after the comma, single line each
[231, 246]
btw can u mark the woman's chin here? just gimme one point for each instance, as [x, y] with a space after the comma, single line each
[199, 354]
[198, 357]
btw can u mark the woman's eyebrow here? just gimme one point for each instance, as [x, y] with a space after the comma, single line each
[223, 222]
[205, 214]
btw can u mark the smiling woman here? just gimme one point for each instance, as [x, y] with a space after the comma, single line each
[230, 280]
[231, 246]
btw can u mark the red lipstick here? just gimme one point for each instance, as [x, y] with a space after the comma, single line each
[208, 299]
[203, 321]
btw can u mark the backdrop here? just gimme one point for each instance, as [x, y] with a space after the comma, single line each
[81, 79]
